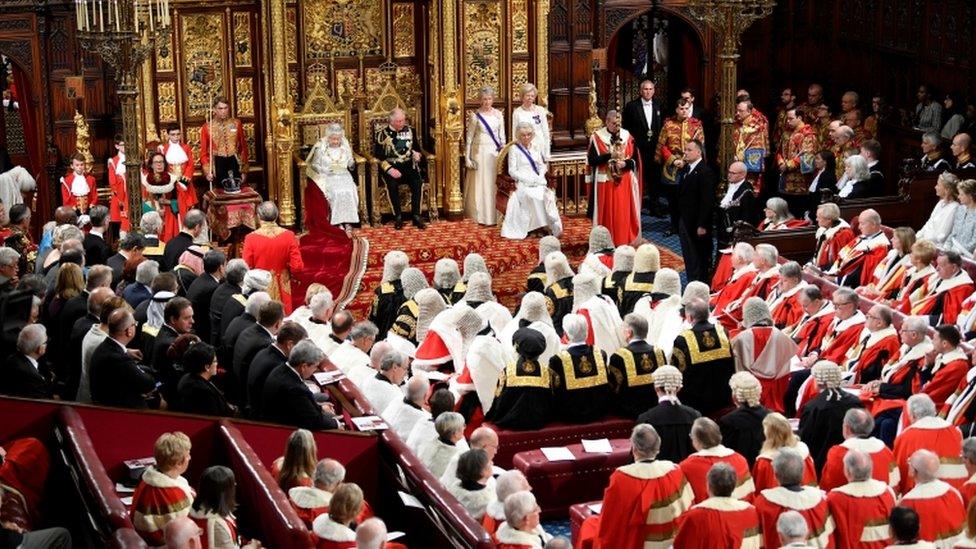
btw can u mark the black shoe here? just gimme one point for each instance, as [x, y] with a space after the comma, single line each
[419, 223]
[398, 223]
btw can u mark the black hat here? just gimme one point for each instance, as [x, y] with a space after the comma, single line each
[529, 343]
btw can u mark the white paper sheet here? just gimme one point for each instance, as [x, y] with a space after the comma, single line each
[123, 489]
[558, 453]
[596, 507]
[409, 500]
[598, 446]
[370, 423]
[396, 534]
[325, 378]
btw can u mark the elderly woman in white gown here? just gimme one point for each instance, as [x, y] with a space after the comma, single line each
[535, 115]
[533, 204]
[328, 164]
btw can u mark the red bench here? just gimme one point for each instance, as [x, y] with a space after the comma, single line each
[577, 514]
[556, 484]
[126, 538]
[556, 434]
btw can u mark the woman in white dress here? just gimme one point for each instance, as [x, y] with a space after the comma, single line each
[328, 164]
[486, 136]
[533, 204]
[535, 115]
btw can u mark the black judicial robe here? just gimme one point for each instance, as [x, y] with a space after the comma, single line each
[672, 421]
[581, 390]
[559, 301]
[405, 324]
[457, 294]
[447, 294]
[822, 422]
[386, 302]
[742, 430]
[635, 286]
[631, 379]
[704, 356]
[537, 281]
[611, 285]
[523, 400]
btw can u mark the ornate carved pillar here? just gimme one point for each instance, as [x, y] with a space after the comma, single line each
[542, 49]
[281, 111]
[451, 109]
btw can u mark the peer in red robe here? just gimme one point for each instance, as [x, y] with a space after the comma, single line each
[118, 206]
[812, 328]
[916, 285]
[885, 467]
[830, 241]
[723, 271]
[78, 189]
[696, 466]
[784, 306]
[158, 499]
[887, 278]
[719, 523]
[275, 249]
[762, 284]
[809, 501]
[842, 337]
[742, 275]
[860, 511]
[941, 515]
[949, 369]
[935, 434]
[24, 471]
[946, 295]
[877, 348]
[857, 260]
[615, 165]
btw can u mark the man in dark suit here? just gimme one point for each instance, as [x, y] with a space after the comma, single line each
[192, 227]
[253, 340]
[130, 246]
[252, 305]
[256, 280]
[20, 375]
[871, 151]
[696, 198]
[202, 290]
[287, 400]
[738, 204]
[233, 277]
[151, 224]
[177, 320]
[116, 379]
[643, 119]
[267, 360]
[77, 334]
[97, 251]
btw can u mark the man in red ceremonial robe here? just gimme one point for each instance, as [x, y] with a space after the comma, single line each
[879, 345]
[857, 260]
[959, 409]
[764, 351]
[743, 272]
[274, 249]
[818, 316]
[968, 488]
[795, 158]
[944, 300]
[223, 145]
[833, 234]
[860, 508]
[750, 135]
[722, 521]
[163, 494]
[844, 332]
[784, 299]
[179, 158]
[930, 432]
[950, 366]
[766, 262]
[941, 514]
[118, 208]
[857, 428]
[791, 495]
[706, 437]
[644, 500]
[78, 187]
[615, 164]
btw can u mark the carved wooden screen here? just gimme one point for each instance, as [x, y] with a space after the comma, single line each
[571, 24]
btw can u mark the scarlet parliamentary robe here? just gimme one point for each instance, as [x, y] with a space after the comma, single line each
[766, 351]
[857, 260]
[944, 301]
[736, 286]
[885, 466]
[762, 284]
[917, 285]
[157, 500]
[78, 191]
[118, 207]
[641, 506]
[947, 373]
[762, 471]
[784, 306]
[842, 338]
[941, 515]
[695, 468]
[181, 165]
[876, 350]
[719, 523]
[886, 280]
[796, 161]
[811, 330]
[939, 436]
[275, 249]
[860, 511]
[830, 242]
[617, 201]
[809, 501]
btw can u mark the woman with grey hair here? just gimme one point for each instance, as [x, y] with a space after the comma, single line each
[858, 178]
[536, 116]
[533, 204]
[329, 163]
[777, 216]
[486, 137]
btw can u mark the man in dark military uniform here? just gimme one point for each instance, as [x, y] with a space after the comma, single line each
[537, 281]
[647, 261]
[397, 147]
[389, 294]
[20, 239]
[559, 292]
[632, 367]
[405, 322]
[524, 396]
[581, 390]
[704, 356]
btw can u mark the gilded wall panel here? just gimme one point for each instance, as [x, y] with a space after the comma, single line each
[344, 27]
[202, 61]
[520, 26]
[242, 39]
[191, 134]
[482, 46]
[291, 16]
[244, 95]
[403, 30]
[520, 75]
[249, 133]
[293, 85]
[166, 98]
[407, 81]
[164, 56]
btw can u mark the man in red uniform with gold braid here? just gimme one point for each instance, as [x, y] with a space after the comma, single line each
[721, 521]
[676, 132]
[795, 158]
[643, 502]
[861, 507]
[615, 164]
[223, 145]
[750, 134]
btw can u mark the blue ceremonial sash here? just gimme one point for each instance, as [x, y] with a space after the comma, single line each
[529, 157]
[498, 145]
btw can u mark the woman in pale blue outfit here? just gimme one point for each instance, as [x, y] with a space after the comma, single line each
[962, 239]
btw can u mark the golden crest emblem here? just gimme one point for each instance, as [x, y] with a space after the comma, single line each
[709, 340]
[645, 363]
[528, 366]
[585, 367]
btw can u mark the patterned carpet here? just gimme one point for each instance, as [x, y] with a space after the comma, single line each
[509, 261]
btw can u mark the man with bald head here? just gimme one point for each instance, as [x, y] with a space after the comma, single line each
[961, 152]
[397, 146]
[940, 509]
[861, 507]
[738, 203]
[182, 533]
[482, 438]
[403, 415]
[857, 260]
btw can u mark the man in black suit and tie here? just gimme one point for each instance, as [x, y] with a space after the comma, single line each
[201, 291]
[642, 118]
[192, 227]
[267, 360]
[97, 251]
[696, 199]
[287, 400]
[254, 339]
[20, 376]
[233, 278]
[116, 379]
[130, 246]
[177, 320]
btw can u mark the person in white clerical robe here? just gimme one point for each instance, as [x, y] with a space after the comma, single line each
[328, 166]
[600, 313]
[532, 205]
[359, 372]
[352, 351]
[435, 453]
[662, 309]
[384, 388]
[404, 414]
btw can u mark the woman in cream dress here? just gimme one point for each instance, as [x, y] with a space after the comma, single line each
[486, 136]
[533, 204]
[535, 115]
[329, 163]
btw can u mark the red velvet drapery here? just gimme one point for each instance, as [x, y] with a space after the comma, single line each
[28, 118]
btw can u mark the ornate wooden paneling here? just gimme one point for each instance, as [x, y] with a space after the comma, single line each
[483, 43]
[571, 31]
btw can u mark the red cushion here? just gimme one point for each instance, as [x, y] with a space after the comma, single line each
[126, 538]
[557, 484]
[556, 434]
[577, 514]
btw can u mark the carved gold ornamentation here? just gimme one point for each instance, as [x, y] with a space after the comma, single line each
[454, 128]
[167, 102]
[293, 85]
[280, 179]
[542, 50]
[520, 75]
[83, 140]
[344, 27]
[249, 133]
[242, 39]
[482, 46]
[191, 135]
[520, 26]
[244, 96]
[203, 61]
[164, 55]
[403, 30]
[291, 34]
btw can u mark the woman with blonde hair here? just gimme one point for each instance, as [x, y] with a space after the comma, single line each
[333, 528]
[779, 434]
[939, 225]
[70, 283]
[918, 277]
[485, 138]
[535, 115]
[888, 276]
[296, 467]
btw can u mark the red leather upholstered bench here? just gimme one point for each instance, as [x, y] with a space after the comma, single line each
[126, 538]
[577, 514]
[556, 434]
[557, 484]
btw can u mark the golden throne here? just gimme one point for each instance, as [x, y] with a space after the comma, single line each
[371, 121]
[319, 111]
